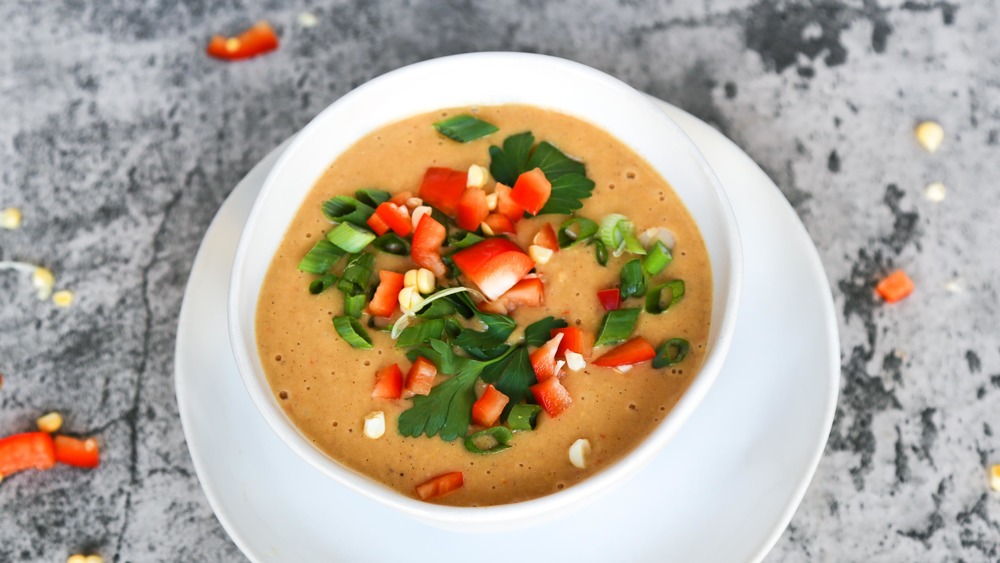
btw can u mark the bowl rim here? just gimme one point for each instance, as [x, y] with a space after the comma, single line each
[552, 503]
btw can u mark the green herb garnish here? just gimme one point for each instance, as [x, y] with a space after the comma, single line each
[354, 305]
[633, 280]
[658, 258]
[498, 436]
[320, 285]
[392, 244]
[465, 239]
[540, 331]
[654, 302]
[415, 335]
[600, 252]
[465, 128]
[508, 163]
[447, 410]
[523, 416]
[352, 332]
[617, 234]
[357, 274]
[617, 326]
[575, 230]
[569, 181]
[349, 237]
[372, 197]
[321, 257]
[671, 352]
[513, 376]
[346, 209]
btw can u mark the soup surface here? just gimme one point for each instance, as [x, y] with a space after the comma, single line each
[325, 385]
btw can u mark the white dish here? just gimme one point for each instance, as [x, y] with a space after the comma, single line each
[724, 489]
[569, 87]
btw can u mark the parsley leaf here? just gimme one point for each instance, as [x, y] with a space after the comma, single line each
[567, 191]
[447, 410]
[553, 162]
[513, 376]
[507, 164]
[568, 177]
[487, 344]
[420, 333]
[540, 332]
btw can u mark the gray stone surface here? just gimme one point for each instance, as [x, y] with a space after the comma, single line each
[119, 140]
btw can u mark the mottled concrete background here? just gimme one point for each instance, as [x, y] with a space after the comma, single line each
[119, 139]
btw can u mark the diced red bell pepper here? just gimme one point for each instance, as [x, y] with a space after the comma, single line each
[426, 248]
[396, 216]
[257, 40]
[543, 360]
[400, 198]
[78, 453]
[487, 409]
[440, 485]
[378, 225]
[499, 224]
[386, 296]
[494, 265]
[388, 383]
[632, 352]
[31, 450]
[552, 396]
[576, 340]
[420, 378]
[506, 205]
[532, 190]
[546, 238]
[611, 299]
[472, 209]
[442, 188]
[529, 292]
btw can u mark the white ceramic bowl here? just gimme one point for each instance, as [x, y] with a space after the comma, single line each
[485, 79]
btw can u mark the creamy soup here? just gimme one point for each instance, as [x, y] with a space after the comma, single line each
[325, 385]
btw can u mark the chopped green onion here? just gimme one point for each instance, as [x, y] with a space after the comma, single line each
[320, 285]
[633, 280]
[349, 237]
[616, 232]
[466, 239]
[523, 416]
[575, 230]
[352, 332]
[372, 197]
[617, 325]
[499, 436]
[404, 320]
[356, 274]
[654, 303]
[393, 244]
[600, 252]
[632, 243]
[354, 305]
[465, 128]
[421, 333]
[346, 209]
[671, 352]
[658, 258]
[321, 257]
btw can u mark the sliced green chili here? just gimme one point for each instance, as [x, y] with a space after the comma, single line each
[671, 352]
[372, 197]
[575, 230]
[349, 237]
[464, 128]
[654, 301]
[352, 332]
[633, 280]
[393, 244]
[523, 416]
[321, 257]
[658, 258]
[346, 209]
[499, 435]
[617, 326]
[320, 285]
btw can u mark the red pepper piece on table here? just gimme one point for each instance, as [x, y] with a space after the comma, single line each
[440, 485]
[611, 299]
[255, 41]
[532, 190]
[78, 453]
[632, 352]
[31, 450]
[388, 383]
[552, 396]
[442, 188]
[895, 287]
[426, 250]
[574, 339]
[472, 209]
[487, 409]
[386, 296]
[420, 378]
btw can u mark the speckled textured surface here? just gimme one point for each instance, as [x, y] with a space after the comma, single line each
[119, 140]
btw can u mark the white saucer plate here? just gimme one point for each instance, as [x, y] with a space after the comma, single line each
[724, 489]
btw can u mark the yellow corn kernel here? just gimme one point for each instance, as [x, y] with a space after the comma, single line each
[486, 230]
[579, 452]
[995, 477]
[410, 278]
[63, 298]
[930, 135]
[308, 19]
[413, 203]
[10, 218]
[476, 178]
[935, 192]
[418, 214]
[540, 254]
[50, 423]
[43, 280]
[93, 559]
[409, 299]
[425, 281]
[374, 425]
[76, 558]
[491, 201]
